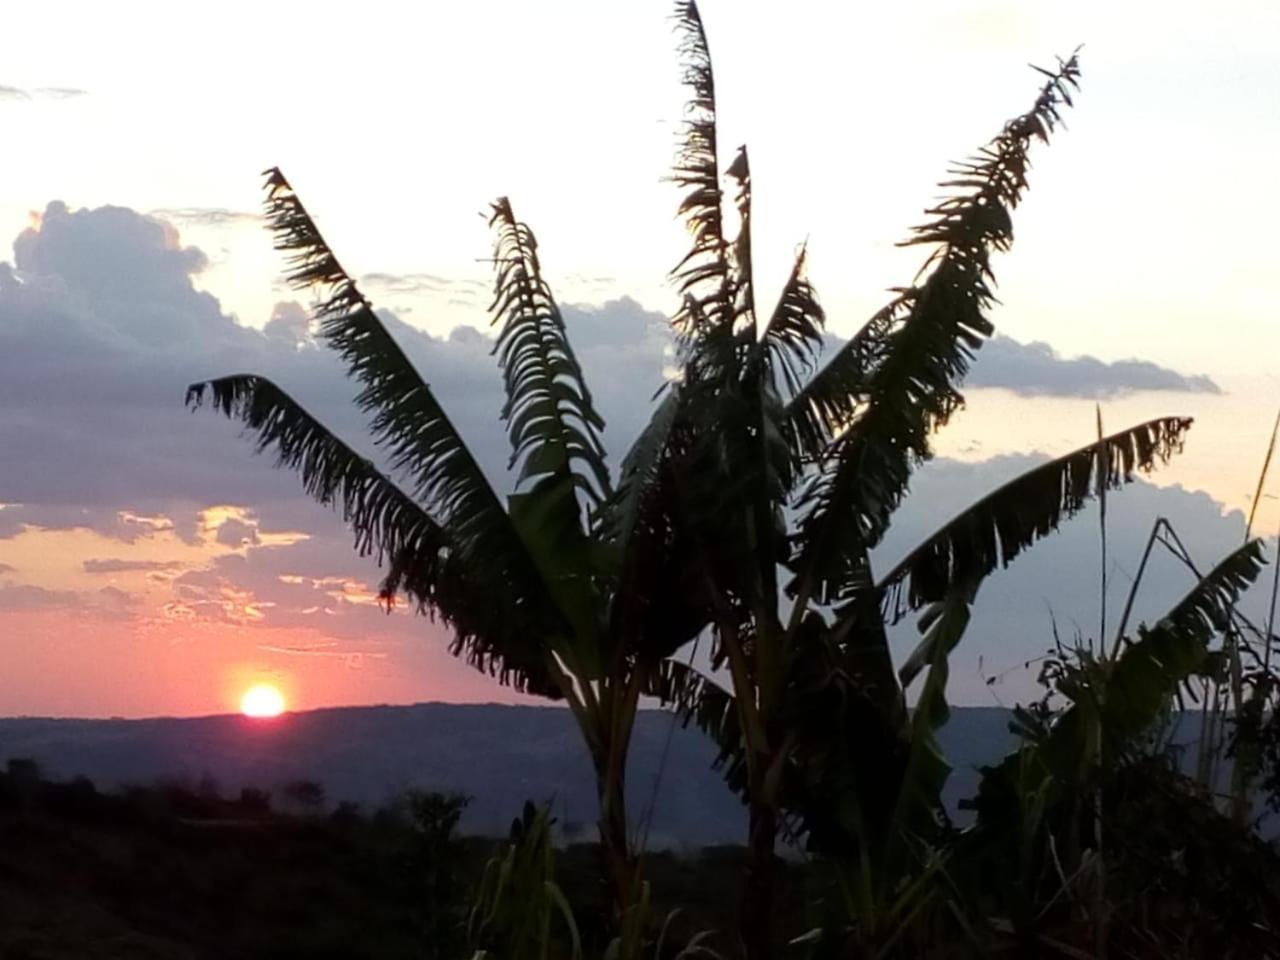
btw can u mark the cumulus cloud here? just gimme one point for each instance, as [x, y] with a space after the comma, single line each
[290, 324]
[101, 329]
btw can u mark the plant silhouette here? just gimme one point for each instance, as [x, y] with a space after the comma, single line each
[745, 511]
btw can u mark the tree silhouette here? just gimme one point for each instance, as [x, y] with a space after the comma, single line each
[307, 796]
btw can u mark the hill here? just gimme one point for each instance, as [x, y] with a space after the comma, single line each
[499, 755]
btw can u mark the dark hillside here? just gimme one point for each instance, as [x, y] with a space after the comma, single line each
[498, 755]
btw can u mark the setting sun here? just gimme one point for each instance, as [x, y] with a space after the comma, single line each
[262, 700]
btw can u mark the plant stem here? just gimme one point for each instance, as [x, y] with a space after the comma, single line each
[1262, 478]
[1269, 635]
[1133, 591]
[1100, 889]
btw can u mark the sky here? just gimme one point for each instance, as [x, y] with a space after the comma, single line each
[150, 564]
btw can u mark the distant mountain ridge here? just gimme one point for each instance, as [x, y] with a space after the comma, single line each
[500, 755]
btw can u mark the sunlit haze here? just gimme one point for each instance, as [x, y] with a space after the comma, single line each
[262, 700]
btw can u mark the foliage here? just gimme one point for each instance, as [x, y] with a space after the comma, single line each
[519, 912]
[307, 795]
[436, 863]
[1090, 798]
[169, 870]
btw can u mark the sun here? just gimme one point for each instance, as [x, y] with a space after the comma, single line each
[262, 700]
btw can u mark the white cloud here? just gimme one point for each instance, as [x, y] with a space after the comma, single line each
[41, 93]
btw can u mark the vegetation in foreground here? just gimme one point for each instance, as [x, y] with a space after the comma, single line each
[176, 870]
[744, 515]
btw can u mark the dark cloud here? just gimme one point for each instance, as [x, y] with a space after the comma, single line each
[1036, 369]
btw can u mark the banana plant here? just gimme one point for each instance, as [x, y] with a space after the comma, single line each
[746, 510]
[528, 586]
[776, 475]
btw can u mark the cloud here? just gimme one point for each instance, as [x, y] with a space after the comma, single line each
[117, 597]
[408, 283]
[1036, 369]
[1058, 579]
[350, 658]
[290, 324]
[102, 328]
[112, 565]
[43, 93]
[8, 568]
[205, 216]
[61, 93]
[119, 524]
[410, 293]
[237, 533]
[24, 596]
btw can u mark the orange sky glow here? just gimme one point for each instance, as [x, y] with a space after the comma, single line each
[129, 642]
